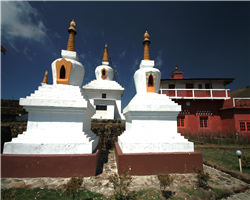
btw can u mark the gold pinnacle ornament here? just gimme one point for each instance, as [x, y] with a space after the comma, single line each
[105, 54]
[45, 79]
[146, 44]
[72, 33]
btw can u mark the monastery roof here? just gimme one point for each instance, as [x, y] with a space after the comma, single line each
[227, 80]
[243, 92]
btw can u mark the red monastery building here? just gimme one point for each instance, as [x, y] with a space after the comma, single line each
[206, 104]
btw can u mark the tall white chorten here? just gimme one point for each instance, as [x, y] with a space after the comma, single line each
[59, 119]
[151, 118]
[104, 93]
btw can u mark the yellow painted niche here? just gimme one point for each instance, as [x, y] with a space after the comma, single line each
[104, 73]
[63, 69]
[150, 81]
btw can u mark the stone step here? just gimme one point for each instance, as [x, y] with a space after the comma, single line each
[240, 196]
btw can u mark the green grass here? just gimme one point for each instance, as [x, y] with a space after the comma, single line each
[46, 194]
[145, 194]
[223, 157]
[193, 192]
[218, 191]
[53, 194]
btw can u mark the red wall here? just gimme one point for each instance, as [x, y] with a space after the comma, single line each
[228, 121]
[231, 117]
[224, 116]
[241, 114]
[228, 103]
[178, 76]
[192, 121]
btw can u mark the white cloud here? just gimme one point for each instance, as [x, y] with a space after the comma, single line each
[133, 70]
[57, 54]
[82, 55]
[20, 20]
[135, 65]
[25, 50]
[158, 61]
[89, 72]
[57, 35]
[29, 58]
[123, 54]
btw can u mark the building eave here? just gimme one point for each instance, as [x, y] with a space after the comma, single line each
[226, 80]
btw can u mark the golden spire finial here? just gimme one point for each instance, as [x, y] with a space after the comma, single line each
[105, 54]
[72, 33]
[146, 44]
[45, 79]
[72, 23]
[146, 35]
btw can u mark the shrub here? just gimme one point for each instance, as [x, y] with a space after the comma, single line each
[202, 178]
[245, 160]
[217, 137]
[165, 180]
[8, 194]
[73, 186]
[121, 184]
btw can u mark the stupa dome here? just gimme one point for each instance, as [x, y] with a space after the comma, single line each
[104, 72]
[68, 70]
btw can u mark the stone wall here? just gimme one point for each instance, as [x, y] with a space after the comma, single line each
[11, 130]
[17, 128]
[5, 135]
[10, 109]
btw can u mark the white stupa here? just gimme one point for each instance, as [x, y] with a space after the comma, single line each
[104, 93]
[151, 118]
[59, 119]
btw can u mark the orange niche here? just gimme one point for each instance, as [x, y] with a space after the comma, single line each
[63, 69]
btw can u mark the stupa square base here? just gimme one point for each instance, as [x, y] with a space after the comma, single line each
[154, 163]
[53, 165]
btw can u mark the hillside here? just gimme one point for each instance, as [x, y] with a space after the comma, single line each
[10, 109]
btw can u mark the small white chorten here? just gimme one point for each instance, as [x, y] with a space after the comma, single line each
[59, 119]
[104, 93]
[151, 118]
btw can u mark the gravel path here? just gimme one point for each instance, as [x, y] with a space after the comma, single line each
[107, 167]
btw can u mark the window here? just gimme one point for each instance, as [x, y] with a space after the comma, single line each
[199, 86]
[244, 126]
[203, 122]
[101, 107]
[103, 96]
[208, 86]
[62, 72]
[150, 81]
[189, 86]
[171, 86]
[181, 121]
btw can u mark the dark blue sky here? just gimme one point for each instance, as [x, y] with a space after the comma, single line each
[205, 39]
